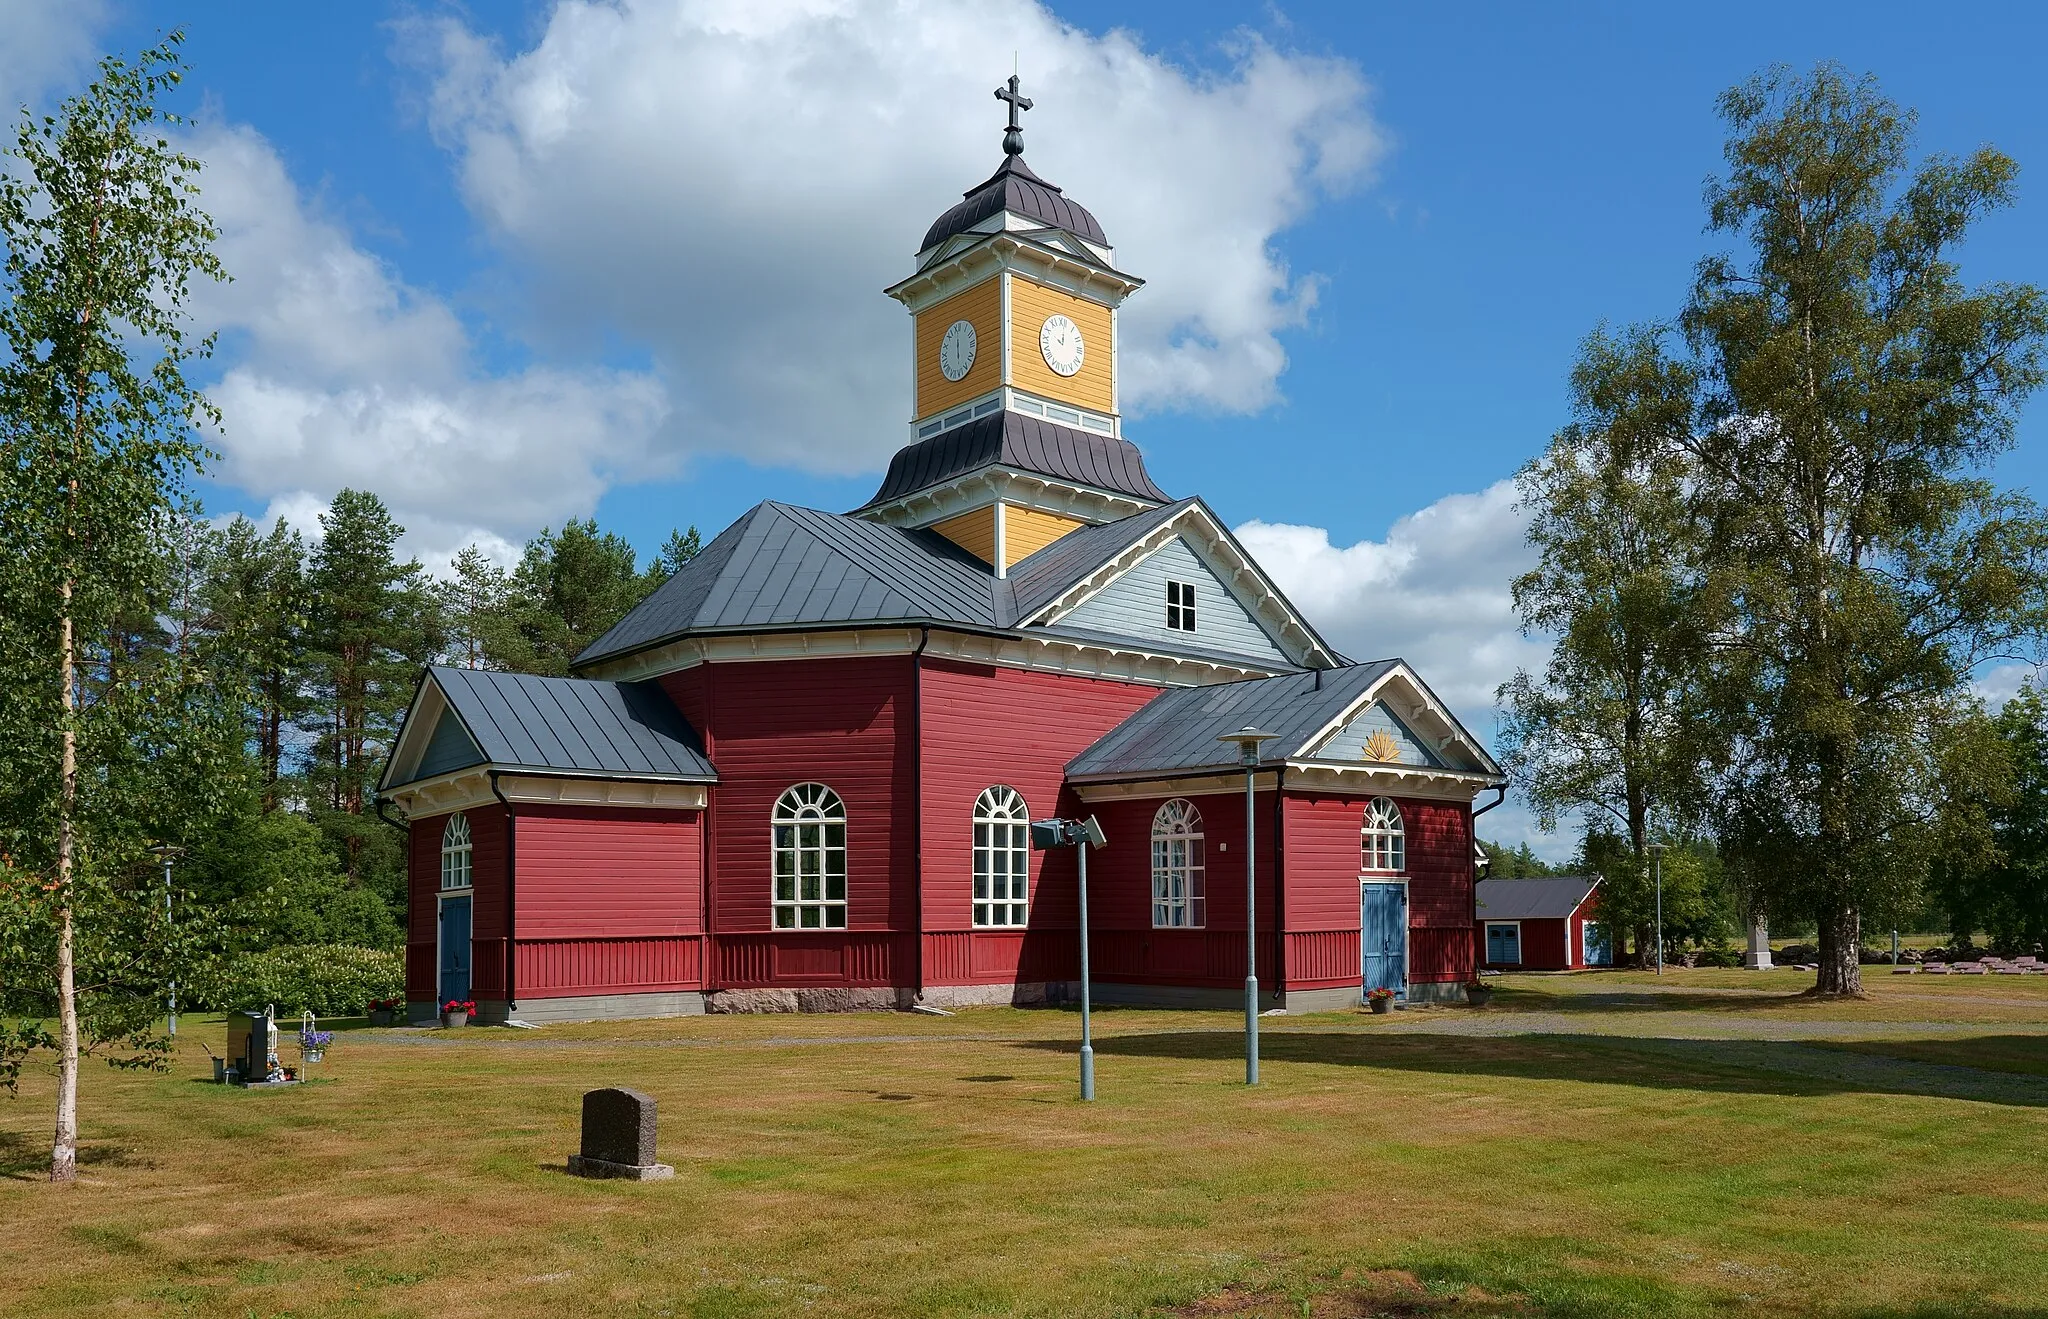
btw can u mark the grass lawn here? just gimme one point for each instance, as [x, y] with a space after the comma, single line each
[1590, 1145]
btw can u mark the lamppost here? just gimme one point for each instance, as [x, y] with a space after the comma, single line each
[1079, 835]
[169, 852]
[1247, 740]
[1657, 866]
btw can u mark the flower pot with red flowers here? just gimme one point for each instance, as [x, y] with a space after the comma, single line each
[457, 1012]
[1381, 1000]
[384, 1011]
[1478, 993]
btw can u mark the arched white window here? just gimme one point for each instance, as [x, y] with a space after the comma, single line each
[1385, 844]
[1178, 897]
[810, 859]
[1002, 856]
[455, 852]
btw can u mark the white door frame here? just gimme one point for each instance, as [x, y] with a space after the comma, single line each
[1407, 929]
[440, 904]
[1519, 958]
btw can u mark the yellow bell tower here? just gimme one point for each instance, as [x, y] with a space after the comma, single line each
[1014, 314]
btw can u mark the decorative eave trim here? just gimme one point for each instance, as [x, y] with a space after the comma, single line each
[1390, 780]
[1007, 250]
[428, 702]
[1186, 786]
[1423, 708]
[1232, 565]
[470, 787]
[1089, 659]
[985, 485]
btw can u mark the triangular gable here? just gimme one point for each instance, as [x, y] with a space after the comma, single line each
[429, 721]
[1410, 705]
[450, 747]
[1125, 595]
[1377, 733]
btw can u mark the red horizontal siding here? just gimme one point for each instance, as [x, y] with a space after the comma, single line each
[1440, 955]
[1323, 858]
[590, 874]
[487, 917]
[982, 726]
[561, 968]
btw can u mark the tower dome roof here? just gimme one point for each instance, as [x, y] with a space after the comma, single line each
[1014, 188]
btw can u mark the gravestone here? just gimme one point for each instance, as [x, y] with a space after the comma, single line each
[618, 1137]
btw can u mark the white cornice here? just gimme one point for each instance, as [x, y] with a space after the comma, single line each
[467, 789]
[1231, 565]
[985, 485]
[1186, 786]
[1390, 780]
[1419, 710]
[1011, 251]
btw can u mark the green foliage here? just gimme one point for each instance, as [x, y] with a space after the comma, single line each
[276, 879]
[1515, 862]
[2006, 895]
[677, 550]
[325, 979]
[568, 589]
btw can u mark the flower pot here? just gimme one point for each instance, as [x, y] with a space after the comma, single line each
[1380, 1006]
[1479, 998]
[312, 1055]
[382, 1016]
[450, 1020]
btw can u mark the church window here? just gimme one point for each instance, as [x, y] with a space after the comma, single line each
[810, 859]
[1385, 841]
[1002, 855]
[1180, 606]
[1178, 896]
[455, 852]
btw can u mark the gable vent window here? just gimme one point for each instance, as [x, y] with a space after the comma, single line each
[1180, 606]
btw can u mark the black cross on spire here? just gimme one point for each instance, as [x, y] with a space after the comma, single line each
[1013, 137]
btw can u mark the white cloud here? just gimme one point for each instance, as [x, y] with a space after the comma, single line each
[46, 46]
[2001, 682]
[1435, 592]
[734, 181]
[339, 373]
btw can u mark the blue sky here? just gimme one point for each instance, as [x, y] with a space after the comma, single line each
[562, 272]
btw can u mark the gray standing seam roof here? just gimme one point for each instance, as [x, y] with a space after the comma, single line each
[577, 725]
[1176, 731]
[1010, 439]
[1550, 898]
[1038, 579]
[1014, 188]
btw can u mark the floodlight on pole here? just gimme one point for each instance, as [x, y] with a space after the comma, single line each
[1079, 835]
[1247, 740]
[169, 852]
[1657, 865]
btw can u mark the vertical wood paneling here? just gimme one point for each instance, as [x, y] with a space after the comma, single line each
[1319, 959]
[1134, 605]
[1030, 306]
[791, 960]
[560, 968]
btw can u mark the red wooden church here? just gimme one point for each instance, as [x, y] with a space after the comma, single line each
[799, 775]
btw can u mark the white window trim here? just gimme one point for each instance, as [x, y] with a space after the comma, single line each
[1180, 606]
[797, 810]
[1017, 826]
[463, 850]
[1367, 833]
[1194, 899]
[1487, 936]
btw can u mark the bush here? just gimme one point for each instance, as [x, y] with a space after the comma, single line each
[1719, 953]
[327, 979]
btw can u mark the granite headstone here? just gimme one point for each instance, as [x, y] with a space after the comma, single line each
[618, 1137]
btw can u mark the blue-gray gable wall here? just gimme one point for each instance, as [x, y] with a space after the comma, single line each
[449, 748]
[1348, 743]
[1134, 606]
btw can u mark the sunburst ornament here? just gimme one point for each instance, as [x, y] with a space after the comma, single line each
[1382, 746]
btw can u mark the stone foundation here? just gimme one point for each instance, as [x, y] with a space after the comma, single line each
[1026, 994]
[1437, 991]
[810, 1000]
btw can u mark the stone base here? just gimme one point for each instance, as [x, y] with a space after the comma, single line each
[810, 1000]
[631, 1172]
[1026, 994]
[1324, 1000]
[1758, 961]
[1437, 991]
[596, 1007]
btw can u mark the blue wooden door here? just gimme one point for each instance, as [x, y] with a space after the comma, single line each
[1596, 945]
[1504, 945]
[454, 949]
[1384, 922]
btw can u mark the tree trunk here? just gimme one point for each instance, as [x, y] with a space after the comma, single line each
[1841, 949]
[64, 1149]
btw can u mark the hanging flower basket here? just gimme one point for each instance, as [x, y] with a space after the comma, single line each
[457, 1012]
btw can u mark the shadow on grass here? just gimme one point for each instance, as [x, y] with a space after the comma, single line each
[1771, 1067]
[1645, 1000]
[25, 1158]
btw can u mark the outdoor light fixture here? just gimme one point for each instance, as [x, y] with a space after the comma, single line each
[1247, 740]
[1079, 835]
[169, 852]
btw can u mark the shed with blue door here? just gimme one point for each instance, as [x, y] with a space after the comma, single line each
[1547, 924]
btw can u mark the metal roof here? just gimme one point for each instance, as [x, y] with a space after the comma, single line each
[573, 725]
[1176, 731]
[1550, 898]
[1010, 439]
[1014, 188]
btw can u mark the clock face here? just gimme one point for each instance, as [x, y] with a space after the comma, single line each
[956, 350]
[1059, 340]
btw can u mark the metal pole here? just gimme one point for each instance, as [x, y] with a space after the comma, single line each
[1251, 940]
[1895, 947]
[167, 921]
[1087, 1040]
[1657, 863]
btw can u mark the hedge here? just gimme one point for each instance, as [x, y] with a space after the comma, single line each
[327, 979]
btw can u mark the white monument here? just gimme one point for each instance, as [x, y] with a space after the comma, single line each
[1758, 958]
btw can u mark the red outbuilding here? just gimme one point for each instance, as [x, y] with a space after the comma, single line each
[800, 774]
[1546, 924]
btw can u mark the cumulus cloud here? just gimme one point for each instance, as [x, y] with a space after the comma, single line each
[1434, 592]
[46, 47]
[339, 373]
[734, 181]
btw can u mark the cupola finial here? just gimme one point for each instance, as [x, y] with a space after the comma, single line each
[1013, 137]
